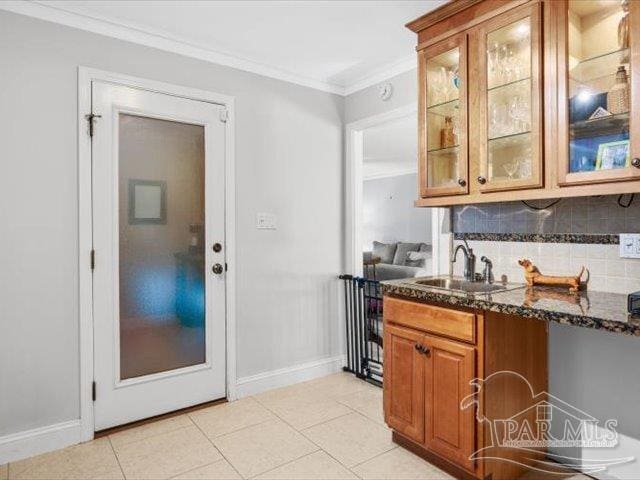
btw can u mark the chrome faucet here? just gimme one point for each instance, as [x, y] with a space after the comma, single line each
[469, 261]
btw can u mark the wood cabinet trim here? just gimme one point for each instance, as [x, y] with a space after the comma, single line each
[463, 357]
[455, 324]
[534, 12]
[565, 177]
[434, 16]
[412, 427]
[464, 18]
[456, 41]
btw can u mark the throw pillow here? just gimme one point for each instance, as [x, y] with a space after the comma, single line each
[401, 252]
[425, 248]
[417, 259]
[385, 251]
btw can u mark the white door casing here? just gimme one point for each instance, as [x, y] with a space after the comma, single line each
[122, 401]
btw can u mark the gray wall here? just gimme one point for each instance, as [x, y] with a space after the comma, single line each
[288, 161]
[367, 102]
[389, 214]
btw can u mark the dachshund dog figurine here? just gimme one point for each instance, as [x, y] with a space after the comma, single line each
[533, 277]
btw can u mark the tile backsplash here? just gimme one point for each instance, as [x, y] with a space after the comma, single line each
[587, 215]
[596, 215]
[608, 272]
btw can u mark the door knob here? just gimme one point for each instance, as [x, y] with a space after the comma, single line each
[217, 247]
[217, 269]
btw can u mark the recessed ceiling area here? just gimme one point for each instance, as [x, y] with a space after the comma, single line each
[391, 149]
[337, 46]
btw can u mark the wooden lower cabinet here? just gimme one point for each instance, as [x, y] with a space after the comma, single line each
[404, 382]
[450, 370]
[429, 377]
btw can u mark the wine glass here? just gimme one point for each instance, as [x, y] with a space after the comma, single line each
[511, 168]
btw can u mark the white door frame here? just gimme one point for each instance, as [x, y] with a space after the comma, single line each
[354, 180]
[85, 228]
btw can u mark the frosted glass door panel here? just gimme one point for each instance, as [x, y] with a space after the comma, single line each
[161, 245]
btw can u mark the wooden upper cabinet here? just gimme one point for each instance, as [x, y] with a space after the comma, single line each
[404, 381]
[507, 100]
[545, 101]
[598, 90]
[443, 151]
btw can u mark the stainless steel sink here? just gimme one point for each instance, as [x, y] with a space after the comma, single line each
[463, 286]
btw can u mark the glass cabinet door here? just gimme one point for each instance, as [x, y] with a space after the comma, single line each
[596, 92]
[509, 59]
[443, 118]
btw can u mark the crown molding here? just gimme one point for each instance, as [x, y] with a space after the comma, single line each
[160, 40]
[165, 41]
[383, 73]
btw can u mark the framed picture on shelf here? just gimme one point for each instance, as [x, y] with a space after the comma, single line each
[613, 155]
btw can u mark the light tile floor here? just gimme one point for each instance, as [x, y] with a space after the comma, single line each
[330, 428]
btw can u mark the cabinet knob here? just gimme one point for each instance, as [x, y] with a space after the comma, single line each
[422, 349]
[636, 162]
[482, 180]
[462, 182]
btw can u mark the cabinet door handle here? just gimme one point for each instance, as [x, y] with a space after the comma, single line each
[462, 182]
[636, 162]
[482, 180]
[426, 351]
[419, 347]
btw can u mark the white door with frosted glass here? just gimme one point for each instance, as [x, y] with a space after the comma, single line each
[158, 235]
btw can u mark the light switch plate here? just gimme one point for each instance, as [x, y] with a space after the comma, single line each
[630, 245]
[266, 221]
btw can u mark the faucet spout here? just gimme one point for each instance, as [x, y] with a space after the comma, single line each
[469, 263]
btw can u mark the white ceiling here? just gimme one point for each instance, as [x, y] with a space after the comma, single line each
[337, 46]
[391, 149]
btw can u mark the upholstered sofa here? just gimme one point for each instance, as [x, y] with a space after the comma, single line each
[398, 260]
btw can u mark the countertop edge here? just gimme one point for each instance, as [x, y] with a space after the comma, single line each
[478, 303]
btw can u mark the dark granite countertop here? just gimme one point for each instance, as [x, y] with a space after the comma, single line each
[590, 309]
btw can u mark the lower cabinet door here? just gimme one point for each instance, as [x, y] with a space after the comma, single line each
[450, 431]
[403, 384]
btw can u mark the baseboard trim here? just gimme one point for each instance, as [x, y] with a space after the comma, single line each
[254, 384]
[18, 446]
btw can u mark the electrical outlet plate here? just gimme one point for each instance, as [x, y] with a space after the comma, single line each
[266, 221]
[630, 245]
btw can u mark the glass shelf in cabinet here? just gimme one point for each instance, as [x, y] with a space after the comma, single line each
[509, 84]
[597, 127]
[594, 68]
[510, 135]
[445, 109]
[444, 150]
